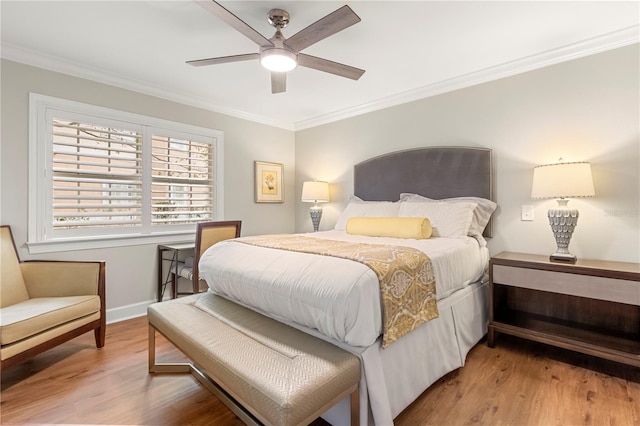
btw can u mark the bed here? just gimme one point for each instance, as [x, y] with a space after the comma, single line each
[334, 298]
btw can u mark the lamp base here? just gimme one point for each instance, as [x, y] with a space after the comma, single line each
[316, 215]
[563, 258]
[563, 221]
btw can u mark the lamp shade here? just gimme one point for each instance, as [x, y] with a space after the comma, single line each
[562, 180]
[315, 192]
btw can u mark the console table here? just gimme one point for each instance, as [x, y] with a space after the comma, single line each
[171, 277]
[590, 306]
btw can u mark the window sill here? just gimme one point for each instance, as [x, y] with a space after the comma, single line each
[110, 241]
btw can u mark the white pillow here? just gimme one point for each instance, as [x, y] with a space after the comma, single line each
[447, 219]
[359, 208]
[481, 214]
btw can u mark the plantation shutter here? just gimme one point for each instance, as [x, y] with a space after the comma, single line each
[181, 180]
[97, 175]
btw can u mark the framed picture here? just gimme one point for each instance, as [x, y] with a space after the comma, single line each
[269, 182]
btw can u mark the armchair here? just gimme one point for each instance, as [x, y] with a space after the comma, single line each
[46, 303]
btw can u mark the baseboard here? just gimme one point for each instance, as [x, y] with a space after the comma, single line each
[135, 310]
[122, 313]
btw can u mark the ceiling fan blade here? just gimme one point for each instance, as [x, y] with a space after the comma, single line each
[224, 59]
[218, 10]
[278, 82]
[329, 66]
[323, 28]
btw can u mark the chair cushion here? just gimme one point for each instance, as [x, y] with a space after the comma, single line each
[36, 315]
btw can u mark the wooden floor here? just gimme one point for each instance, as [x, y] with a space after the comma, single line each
[516, 383]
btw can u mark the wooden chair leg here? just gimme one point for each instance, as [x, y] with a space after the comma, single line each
[174, 286]
[99, 334]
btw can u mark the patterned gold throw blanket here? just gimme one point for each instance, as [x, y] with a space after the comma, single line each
[407, 282]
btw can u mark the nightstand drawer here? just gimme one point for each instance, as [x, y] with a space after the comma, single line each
[594, 287]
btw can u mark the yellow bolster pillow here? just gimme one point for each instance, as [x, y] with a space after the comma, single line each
[417, 228]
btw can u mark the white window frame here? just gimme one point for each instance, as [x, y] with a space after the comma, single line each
[41, 239]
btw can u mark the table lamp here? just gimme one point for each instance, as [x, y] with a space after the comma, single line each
[315, 192]
[562, 181]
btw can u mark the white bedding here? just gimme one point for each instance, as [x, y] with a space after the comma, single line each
[340, 298]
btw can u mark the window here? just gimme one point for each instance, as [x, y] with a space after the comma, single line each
[101, 177]
[96, 175]
[180, 174]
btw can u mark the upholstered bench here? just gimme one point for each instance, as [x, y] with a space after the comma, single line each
[265, 371]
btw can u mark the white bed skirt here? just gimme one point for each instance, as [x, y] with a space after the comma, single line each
[434, 349]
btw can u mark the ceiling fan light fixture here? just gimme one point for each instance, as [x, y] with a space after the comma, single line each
[278, 59]
[280, 54]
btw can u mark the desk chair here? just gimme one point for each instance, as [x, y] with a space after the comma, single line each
[207, 234]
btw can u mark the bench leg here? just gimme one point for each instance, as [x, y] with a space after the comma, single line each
[183, 367]
[355, 407]
[154, 367]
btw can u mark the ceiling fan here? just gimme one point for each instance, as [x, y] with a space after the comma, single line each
[279, 54]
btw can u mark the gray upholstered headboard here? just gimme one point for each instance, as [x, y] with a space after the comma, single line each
[435, 172]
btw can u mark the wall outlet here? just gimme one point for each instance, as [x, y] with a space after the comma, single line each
[527, 213]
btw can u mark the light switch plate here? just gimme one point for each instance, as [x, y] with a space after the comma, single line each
[527, 213]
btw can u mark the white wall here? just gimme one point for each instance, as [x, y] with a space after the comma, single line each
[131, 271]
[586, 109]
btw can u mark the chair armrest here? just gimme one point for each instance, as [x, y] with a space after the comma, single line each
[63, 278]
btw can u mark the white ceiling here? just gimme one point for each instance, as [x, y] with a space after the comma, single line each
[409, 49]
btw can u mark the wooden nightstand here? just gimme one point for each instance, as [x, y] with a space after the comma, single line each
[591, 306]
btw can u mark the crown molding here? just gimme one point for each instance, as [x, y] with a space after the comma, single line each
[598, 44]
[591, 46]
[52, 63]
